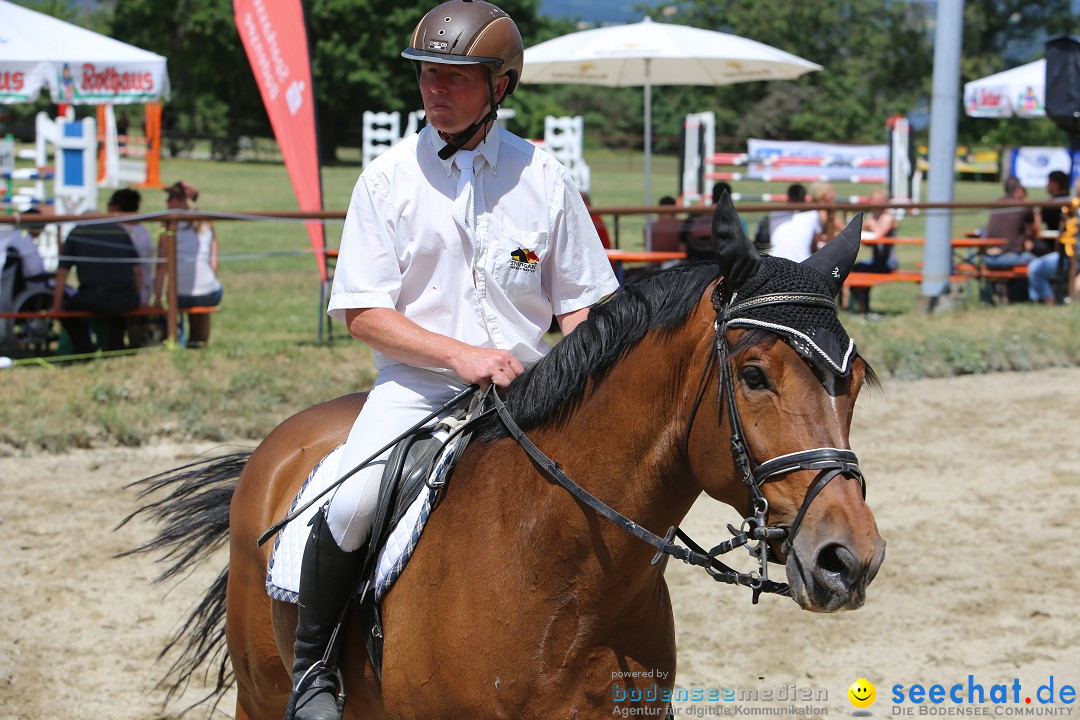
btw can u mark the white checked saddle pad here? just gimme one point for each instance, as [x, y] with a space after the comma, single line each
[283, 574]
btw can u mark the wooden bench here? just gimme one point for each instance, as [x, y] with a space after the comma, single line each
[139, 312]
[39, 332]
[869, 280]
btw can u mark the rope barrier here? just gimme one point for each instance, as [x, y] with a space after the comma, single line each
[333, 216]
[52, 361]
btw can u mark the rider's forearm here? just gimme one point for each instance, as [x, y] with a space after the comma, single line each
[398, 337]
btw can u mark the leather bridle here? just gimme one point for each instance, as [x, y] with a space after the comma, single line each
[755, 532]
[830, 462]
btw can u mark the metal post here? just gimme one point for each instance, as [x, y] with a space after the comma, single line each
[171, 313]
[944, 111]
[648, 152]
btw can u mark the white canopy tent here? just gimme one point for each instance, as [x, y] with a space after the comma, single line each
[77, 66]
[1020, 91]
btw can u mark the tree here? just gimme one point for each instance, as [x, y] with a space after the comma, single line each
[213, 91]
[875, 54]
[355, 50]
[60, 9]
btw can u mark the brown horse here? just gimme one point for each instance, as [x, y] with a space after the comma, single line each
[520, 600]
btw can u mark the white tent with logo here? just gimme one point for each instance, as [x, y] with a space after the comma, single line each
[77, 66]
[1020, 91]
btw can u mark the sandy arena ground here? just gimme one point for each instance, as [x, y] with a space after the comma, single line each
[974, 482]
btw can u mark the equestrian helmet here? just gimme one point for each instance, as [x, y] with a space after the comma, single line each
[469, 32]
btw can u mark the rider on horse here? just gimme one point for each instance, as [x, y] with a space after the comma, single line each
[460, 244]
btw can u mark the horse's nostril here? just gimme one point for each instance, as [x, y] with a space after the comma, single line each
[836, 559]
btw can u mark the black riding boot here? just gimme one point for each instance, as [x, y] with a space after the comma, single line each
[326, 582]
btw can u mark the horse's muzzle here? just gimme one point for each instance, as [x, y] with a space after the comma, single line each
[832, 574]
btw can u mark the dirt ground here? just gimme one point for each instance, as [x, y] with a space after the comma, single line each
[974, 482]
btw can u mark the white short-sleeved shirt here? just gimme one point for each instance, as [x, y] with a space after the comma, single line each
[794, 239]
[536, 250]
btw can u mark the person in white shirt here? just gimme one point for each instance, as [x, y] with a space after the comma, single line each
[460, 244]
[794, 239]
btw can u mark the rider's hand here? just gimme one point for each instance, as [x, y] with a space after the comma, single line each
[483, 366]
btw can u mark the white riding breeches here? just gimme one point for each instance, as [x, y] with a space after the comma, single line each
[401, 397]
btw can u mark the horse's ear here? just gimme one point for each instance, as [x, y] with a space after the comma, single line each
[735, 253]
[838, 256]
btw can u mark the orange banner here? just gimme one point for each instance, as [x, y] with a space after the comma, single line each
[275, 38]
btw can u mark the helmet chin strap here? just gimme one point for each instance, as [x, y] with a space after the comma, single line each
[456, 142]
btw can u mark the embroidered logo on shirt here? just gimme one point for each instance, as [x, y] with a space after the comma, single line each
[526, 260]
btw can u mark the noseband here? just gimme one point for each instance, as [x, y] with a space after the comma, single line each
[755, 533]
[830, 462]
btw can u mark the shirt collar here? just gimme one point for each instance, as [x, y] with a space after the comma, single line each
[488, 148]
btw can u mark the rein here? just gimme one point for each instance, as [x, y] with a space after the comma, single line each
[755, 533]
[693, 554]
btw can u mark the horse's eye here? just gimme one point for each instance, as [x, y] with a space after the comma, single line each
[754, 378]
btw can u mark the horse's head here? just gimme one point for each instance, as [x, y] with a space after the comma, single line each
[790, 377]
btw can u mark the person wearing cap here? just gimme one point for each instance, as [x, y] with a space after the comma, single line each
[197, 283]
[460, 244]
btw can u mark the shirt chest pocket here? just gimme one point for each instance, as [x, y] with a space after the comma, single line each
[517, 257]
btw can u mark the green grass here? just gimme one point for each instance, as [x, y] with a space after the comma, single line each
[264, 362]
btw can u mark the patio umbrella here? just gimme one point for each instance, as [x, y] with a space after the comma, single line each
[651, 53]
[1020, 91]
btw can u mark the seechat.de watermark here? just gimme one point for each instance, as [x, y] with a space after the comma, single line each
[973, 697]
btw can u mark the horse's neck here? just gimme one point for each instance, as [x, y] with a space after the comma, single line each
[623, 444]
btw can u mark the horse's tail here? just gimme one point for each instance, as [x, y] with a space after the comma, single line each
[195, 519]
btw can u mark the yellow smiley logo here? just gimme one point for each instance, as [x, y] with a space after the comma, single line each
[862, 693]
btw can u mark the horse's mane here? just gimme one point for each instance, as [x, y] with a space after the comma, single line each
[550, 389]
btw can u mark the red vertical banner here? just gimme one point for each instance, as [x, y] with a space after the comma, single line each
[275, 38]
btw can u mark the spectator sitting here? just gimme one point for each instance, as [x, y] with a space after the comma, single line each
[796, 193]
[796, 238]
[831, 222]
[1017, 226]
[109, 280]
[1057, 187]
[197, 284]
[598, 222]
[139, 329]
[128, 201]
[699, 242]
[669, 232]
[1042, 270]
[22, 243]
[881, 223]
